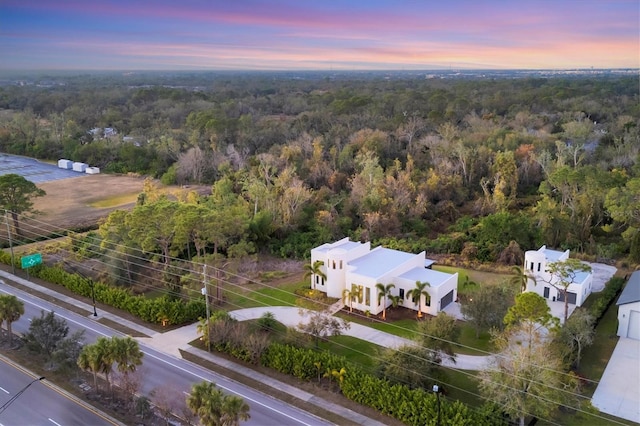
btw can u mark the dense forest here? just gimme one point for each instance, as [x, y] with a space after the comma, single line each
[481, 167]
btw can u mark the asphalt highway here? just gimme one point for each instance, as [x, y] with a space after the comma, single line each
[166, 372]
[38, 404]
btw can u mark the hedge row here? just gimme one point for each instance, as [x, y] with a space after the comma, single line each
[410, 406]
[150, 310]
[606, 298]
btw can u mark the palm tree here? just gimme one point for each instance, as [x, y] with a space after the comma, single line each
[339, 375]
[417, 292]
[10, 311]
[234, 410]
[105, 355]
[214, 407]
[347, 297]
[126, 354]
[395, 300]
[205, 401]
[384, 291]
[90, 360]
[520, 278]
[315, 269]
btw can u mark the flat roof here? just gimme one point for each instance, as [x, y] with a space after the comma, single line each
[379, 261]
[434, 278]
[581, 276]
[344, 245]
[553, 255]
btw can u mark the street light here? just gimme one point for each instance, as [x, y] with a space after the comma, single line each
[17, 395]
[436, 390]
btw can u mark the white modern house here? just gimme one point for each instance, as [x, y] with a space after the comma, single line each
[629, 308]
[354, 266]
[535, 264]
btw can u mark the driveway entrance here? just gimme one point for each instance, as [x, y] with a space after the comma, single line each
[618, 392]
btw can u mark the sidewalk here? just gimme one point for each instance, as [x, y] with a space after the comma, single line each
[72, 301]
[171, 342]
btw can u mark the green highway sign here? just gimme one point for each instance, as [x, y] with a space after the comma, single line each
[31, 260]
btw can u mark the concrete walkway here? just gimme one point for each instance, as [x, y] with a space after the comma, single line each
[292, 317]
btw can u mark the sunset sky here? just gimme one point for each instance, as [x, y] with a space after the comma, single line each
[318, 35]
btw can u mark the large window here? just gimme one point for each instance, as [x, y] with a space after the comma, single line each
[367, 296]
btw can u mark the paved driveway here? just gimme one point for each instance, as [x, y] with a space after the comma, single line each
[618, 392]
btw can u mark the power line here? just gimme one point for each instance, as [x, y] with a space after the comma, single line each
[103, 252]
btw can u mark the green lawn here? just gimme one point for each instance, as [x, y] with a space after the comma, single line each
[479, 277]
[357, 351]
[468, 340]
[265, 296]
[462, 386]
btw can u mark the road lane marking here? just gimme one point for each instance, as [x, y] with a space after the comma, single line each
[5, 391]
[54, 422]
[167, 362]
[230, 390]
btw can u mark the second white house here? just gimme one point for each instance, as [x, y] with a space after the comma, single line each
[354, 266]
[535, 264]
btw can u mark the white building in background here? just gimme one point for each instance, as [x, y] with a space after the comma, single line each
[629, 308]
[356, 267]
[65, 164]
[80, 167]
[535, 264]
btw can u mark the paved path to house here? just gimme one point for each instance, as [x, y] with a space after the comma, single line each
[618, 392]
[292, 317]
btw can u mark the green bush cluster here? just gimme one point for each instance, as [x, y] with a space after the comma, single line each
[157, 310]
[606, 298]
[410, 406]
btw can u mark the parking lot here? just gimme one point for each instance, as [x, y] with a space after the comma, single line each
[33, 170]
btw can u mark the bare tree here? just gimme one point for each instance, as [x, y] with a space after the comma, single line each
[322, 324]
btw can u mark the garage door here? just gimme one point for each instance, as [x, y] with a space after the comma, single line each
[633, 331]
[571, 296]
[448, 298]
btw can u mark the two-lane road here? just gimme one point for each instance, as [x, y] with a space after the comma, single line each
[39, 404]
[162, 370]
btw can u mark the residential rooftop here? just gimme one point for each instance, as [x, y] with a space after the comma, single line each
[434, 278]
[379, 261]
[553, 255]
[344, 244]
[631, 292]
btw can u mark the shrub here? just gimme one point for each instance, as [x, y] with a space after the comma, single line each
[605, 298]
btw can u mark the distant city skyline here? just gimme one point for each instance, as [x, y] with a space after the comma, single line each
[314, 35]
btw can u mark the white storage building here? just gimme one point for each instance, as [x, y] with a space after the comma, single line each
[65, 164]
[80, 167]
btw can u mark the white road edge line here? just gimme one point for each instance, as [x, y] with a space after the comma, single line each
[229, 390]
[174, 365]
[54, 422]
[5, 391]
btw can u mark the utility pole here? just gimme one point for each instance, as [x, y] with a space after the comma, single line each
[436, 390]
[6, 220]
[205, 293]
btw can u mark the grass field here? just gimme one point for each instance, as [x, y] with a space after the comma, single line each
[115, 201]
